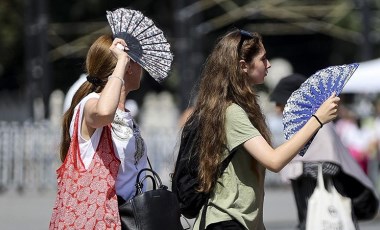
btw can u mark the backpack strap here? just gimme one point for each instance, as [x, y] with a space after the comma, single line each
[202, 224]
[225, 162]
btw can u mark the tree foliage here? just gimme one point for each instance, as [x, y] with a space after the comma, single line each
[11, 42]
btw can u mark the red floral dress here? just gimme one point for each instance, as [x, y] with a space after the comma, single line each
[86, 199]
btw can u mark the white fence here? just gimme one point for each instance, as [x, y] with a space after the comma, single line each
[29, 155]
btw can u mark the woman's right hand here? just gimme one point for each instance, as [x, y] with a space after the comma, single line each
[119, 53]
[328, 111]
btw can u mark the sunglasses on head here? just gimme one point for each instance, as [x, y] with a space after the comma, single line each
[244, 35]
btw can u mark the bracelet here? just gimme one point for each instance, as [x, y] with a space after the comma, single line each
[319, 121]
[121, 79]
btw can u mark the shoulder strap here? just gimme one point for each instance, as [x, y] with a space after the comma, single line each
[75, 151]
[226, 161]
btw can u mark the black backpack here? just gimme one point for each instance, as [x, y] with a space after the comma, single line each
[185, 176]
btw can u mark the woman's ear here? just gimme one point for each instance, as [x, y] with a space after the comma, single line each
[243, 66]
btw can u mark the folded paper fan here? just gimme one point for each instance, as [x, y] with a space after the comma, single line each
[305, 101]
[146, 43]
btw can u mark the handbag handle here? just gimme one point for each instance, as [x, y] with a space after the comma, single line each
[156, 180]
[320, 181]
[140, 184]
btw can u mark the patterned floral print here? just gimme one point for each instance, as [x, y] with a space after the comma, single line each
[86, 199]
[120, 127]
[123, 128]
[140, 147]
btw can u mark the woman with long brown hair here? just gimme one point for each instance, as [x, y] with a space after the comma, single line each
[229, 115]
[101, 148]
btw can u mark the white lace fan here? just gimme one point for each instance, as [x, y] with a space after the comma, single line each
[147, 43]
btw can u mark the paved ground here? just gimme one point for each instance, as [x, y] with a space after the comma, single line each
[280, 211]
[32, 211]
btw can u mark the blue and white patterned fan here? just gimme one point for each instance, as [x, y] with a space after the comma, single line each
[305, 101]
[146, 43]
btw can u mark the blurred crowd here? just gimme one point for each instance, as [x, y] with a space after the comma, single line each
[358, 126]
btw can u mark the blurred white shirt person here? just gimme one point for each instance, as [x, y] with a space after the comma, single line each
[130, 104]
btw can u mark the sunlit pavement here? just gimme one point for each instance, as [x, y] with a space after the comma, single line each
[32, 211]
[280, 211]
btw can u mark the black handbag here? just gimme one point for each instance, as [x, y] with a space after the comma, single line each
[154, 209]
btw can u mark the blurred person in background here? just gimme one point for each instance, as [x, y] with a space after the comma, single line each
[338, 166]
[371, 125]
[356, 139]
[100, 165]
[130, 104]
[72, 90]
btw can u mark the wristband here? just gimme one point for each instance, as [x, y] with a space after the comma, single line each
[319, 121]
[121, 79]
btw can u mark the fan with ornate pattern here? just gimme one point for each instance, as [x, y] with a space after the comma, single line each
[305, 101]
[146, 43]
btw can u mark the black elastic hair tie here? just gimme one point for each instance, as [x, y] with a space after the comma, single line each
[319, 121]
[94, 80]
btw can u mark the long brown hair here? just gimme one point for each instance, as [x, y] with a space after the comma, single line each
[222, 83]
[100, 63]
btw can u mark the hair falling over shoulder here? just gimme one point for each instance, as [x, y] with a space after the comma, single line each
[222, 83]
[100, 63]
